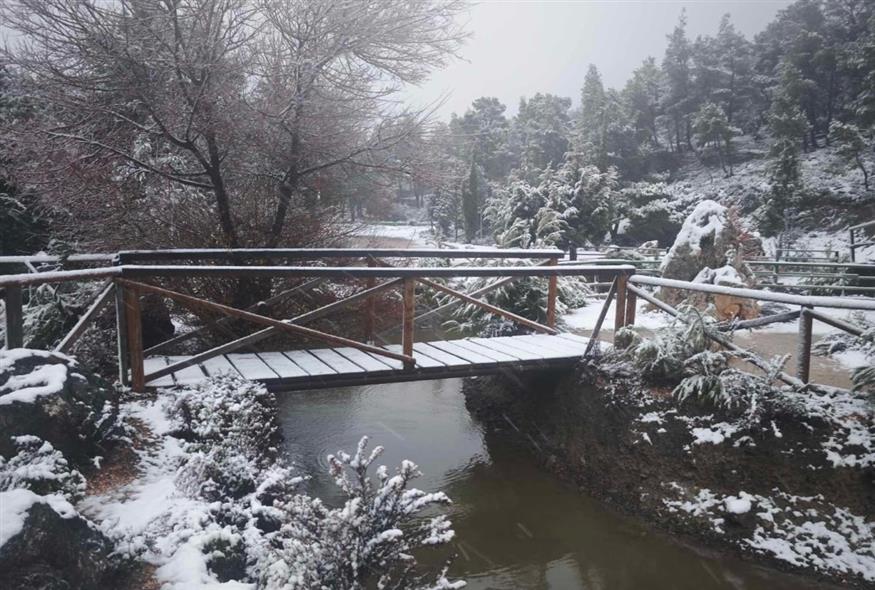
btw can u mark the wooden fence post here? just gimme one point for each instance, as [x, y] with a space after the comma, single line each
[370, 305]
[131, 299]
[803, 360]
[14, 316]
[552, 289]
[409, 311]
[620, 311]
[631, 304]
[852, 247]
[121, 326]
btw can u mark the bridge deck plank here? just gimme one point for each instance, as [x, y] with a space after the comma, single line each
[252, 367]
[335, 367]
[282, 365]
[189, 375]
[312, 365]
[219, 365]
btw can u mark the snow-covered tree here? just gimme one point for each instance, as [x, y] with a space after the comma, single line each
[474, 193]
[677, 101]
[542, 128]
[642, 96]
[788, 126]
[714, 132]
[851, 145]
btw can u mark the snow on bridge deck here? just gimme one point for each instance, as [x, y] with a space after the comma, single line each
[336, 367]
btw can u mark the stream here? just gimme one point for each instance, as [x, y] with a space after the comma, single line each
[517, 526]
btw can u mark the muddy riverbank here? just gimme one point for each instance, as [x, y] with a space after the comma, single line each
[694, 474]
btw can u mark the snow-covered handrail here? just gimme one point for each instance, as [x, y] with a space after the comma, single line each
[804, 300]
[129, 256]
[59, 276]
[50, 259]
[133, 270]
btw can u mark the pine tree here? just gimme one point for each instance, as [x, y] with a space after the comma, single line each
[590, 138]
[788, 126]
[851, 145]
[542, 126]
[677, 101]
[641, 96]
[714, 131]
[473, 194]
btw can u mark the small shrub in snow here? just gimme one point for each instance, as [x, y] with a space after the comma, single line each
[231, 430]
[526, 297]
[682, 355]
[368, 541]
[39, 467]
[256, 526]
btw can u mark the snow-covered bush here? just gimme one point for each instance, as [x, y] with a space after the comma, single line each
[256, 526]
[661, 359]
[39, 467]
[231, 429]
[369, 540]
[525, 296]
[682, 355]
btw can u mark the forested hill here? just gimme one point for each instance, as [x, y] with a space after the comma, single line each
[780, 126]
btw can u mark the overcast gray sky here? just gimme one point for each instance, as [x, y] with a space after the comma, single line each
[520, 47]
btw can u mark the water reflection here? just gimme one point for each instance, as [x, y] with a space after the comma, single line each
[517, 526]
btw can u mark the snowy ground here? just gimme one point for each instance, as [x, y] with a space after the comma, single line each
[408, 236]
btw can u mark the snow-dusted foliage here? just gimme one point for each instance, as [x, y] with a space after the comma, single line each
[231, 426]
[525, 296]
[217, 504]
[39, 467]
[370, 539]
[682, 355]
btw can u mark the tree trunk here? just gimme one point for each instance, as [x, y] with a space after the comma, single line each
[223, 204]
[863, 170]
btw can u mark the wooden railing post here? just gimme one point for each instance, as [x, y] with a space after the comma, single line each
[620, 311]
[552, 288]
[121, 325]
[370, 305]
[631, 304]
[133, 320]
[409, 312]
[14, 316]
[853, 254]
[803, 360]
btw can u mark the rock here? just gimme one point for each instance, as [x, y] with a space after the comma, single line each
[55, 551]
[726, 307]
[51, 396]
[710, 249]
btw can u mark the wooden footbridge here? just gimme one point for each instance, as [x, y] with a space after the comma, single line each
[341, 360]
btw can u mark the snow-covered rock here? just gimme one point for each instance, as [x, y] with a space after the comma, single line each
[50, 396]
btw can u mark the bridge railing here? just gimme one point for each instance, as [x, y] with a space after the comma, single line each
[130, 278]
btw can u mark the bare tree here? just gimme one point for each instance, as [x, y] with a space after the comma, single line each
[210, 121]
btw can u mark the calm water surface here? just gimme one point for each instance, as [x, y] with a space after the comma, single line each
[517, 526]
